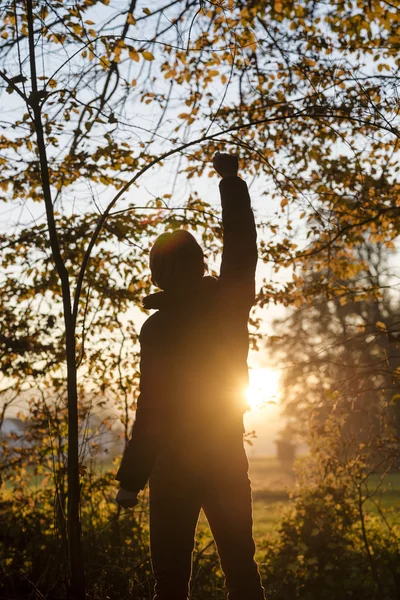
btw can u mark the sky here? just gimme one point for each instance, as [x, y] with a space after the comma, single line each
[266, 420]
[263, 417]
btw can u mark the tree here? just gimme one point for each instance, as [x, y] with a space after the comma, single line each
[87, 119]
[340, 357]
[54, 269]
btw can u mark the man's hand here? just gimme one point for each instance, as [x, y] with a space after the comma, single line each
[126, 499]
[226, 165]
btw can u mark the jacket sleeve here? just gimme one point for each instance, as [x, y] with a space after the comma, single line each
[239, 257]
[142, 449]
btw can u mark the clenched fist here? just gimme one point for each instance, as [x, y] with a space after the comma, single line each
[126, 499]
[226, 165]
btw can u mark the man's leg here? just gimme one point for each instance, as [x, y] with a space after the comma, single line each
[174, 511]
[228, 508]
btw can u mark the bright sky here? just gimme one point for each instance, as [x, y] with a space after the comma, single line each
[264, 385]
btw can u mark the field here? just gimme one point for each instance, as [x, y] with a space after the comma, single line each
[272, 483]
[118, 535]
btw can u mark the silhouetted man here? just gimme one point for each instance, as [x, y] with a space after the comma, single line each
[188, 433]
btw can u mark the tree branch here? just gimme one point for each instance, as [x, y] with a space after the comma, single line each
[12, 85]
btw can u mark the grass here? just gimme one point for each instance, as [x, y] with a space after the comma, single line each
[385, 498]
[272, 483]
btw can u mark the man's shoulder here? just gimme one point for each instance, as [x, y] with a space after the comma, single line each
[153, 328]
[150, 324]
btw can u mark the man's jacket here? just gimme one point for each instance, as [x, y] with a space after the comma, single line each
[194, 352]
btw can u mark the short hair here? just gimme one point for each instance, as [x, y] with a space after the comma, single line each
[176, 260]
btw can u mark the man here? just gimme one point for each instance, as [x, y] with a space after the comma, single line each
[188, 433]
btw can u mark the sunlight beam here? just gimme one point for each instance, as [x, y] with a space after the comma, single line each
[263, 388]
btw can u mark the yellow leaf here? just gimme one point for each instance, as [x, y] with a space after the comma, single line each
[53, 83]
[147, 11]
[134, 55]
[278, 6]
[314, 532]
[284, 202]
[78, 29]
[183, 116]
[381, 326]
[147, 55]
[131, 19]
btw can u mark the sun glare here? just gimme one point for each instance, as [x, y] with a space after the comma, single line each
[263, 389]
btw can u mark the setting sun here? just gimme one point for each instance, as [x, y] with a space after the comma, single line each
[263, 389]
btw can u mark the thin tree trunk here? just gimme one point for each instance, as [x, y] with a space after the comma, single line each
[77, 573]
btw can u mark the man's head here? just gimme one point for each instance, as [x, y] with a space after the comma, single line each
[176, 260]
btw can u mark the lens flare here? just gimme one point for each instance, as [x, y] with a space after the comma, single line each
[263, 388]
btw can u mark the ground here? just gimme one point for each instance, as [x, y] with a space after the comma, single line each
[272, 483]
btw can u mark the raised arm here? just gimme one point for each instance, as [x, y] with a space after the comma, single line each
[239, 257]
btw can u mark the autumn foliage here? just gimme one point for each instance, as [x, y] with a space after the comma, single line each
[111, 112]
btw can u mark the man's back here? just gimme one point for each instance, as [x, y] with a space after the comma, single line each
[194, 356]
[188, 433]
[194, 349]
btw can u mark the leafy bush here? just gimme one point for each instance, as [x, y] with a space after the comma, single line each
[330, 543]
[321, 552]
[335, 542]
[116, 545]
